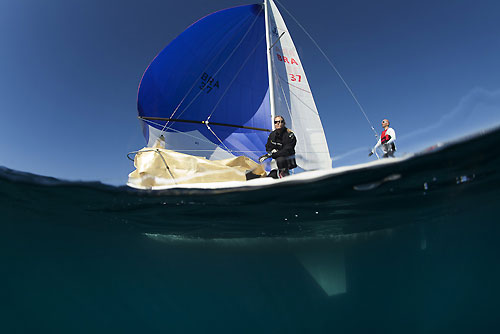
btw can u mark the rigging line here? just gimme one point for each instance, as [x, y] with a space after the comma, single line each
[155, 150]
[291, 92]
[276, 41]
[204, 122]
[234, 78]
[289, 111]
[183, 133]
[204, 70]
[227, 149]
[333, 66]
[289, 84]
[200, 139]
[181, 150]
[241, 151]
[166, 165]
[225, 62]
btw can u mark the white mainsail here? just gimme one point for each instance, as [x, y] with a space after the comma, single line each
[292, 95]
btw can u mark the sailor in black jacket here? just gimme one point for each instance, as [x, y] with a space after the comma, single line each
[281, 147]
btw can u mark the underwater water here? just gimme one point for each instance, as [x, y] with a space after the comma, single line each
[410, 247]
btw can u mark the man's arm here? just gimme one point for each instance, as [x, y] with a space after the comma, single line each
[376, 145]
[269, 145]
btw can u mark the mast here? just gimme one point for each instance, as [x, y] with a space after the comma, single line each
[269, 63]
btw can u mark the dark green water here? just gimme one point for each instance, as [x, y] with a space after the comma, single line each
[413, 247]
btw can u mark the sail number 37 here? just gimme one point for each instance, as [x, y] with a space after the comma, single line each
[295, 77]
[208, 83]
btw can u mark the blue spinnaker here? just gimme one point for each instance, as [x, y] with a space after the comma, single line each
[217, 70]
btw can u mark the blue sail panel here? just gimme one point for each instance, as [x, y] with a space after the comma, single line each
[216, 70]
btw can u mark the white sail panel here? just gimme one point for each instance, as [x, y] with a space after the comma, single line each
[293, 98]
[192, 142]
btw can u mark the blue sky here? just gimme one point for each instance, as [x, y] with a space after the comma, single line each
[70, 72]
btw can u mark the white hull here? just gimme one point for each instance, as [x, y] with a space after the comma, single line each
[236, 186]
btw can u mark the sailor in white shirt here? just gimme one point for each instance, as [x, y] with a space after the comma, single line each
[387, 139]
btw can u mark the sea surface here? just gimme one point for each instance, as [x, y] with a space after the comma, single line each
[409, 247]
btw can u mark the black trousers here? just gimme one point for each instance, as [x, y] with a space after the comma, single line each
[286, 162]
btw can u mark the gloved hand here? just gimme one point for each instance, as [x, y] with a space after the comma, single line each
[370, 154]
[264, 157]
[274, 151]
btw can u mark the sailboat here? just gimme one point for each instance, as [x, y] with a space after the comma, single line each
[208, 100]
[207, 104]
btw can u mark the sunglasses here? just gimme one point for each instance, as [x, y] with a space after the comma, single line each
[277, 122]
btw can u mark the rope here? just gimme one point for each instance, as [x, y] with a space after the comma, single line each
[184, 133]
[291, 92]
[200, 139]
[240, 151]
[195, 137]
[276, 41]
[333, 66]
[168, 169]
[156, 151]
[209, 128]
